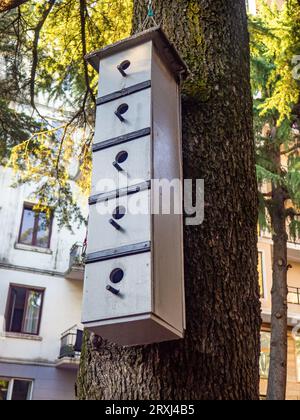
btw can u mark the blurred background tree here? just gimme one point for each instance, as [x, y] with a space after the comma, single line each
[275, 48]
[42, 49]
[15, 127]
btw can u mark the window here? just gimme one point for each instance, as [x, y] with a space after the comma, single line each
[261, 274]
[4, 384]
[294, 295]
[251, 6]
[15, 389]
[298, 357]
[35, 228]
[24, 310]
[264, 362]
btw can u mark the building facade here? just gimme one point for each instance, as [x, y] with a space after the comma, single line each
[41, 285]
[265, 249]
[40, 300]
[253, 5]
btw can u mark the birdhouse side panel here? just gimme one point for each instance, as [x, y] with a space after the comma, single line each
[169, 296]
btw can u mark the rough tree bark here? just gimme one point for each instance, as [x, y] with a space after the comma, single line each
[219, 357]
[6, 5]
[277, 380]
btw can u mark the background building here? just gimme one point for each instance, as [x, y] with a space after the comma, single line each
[251, 6]
[265, 248]
[41, 293]
[40, 299]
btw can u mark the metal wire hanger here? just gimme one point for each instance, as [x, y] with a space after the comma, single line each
[150, 20]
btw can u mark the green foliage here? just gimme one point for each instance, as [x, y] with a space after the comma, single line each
[264, 175]
[263, 219]
[45, 55]
[15, 125]
[49, 46]
[275, 42]
[48, 160]
[292, 179]
[65, 39]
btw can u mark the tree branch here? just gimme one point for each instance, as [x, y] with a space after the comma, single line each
[35, 59]
[77, 115]
[83, 13]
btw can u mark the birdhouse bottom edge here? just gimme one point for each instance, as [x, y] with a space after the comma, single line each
[136, 330]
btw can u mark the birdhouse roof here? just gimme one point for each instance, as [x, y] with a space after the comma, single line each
[160, 40]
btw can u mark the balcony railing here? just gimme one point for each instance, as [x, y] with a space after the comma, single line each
[71, 343]
[292, 241]
[294, 295]
[268, 235]
[77, 255]
[76, 262]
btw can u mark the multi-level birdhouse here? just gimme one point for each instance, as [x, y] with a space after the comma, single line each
[134, 281]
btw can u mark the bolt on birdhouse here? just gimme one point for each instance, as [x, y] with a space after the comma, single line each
[134, 281]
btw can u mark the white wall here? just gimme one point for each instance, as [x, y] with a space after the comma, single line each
[61, 310]
[252, 7]
[11, 207]
[49, 383]
[62, 300]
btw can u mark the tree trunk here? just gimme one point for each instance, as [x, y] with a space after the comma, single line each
[219, 357]
[278, 357]
[6, 5]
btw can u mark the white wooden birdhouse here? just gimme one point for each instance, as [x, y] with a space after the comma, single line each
[134, 281]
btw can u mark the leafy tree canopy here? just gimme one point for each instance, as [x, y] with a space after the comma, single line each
[275, 47]
[43, 45]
